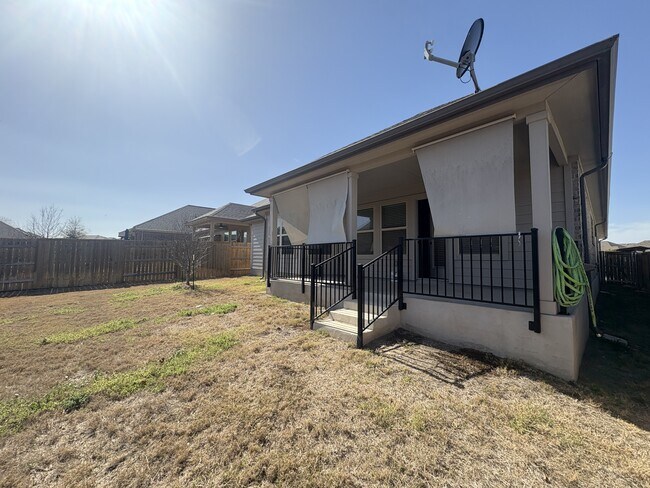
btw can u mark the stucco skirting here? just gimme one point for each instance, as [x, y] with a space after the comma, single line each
[501, 331]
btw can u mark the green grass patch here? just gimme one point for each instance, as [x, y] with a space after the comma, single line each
[96, 330]
[220, 308]
[68, 310]
[69, 397]
[125, 296]
[528, 419]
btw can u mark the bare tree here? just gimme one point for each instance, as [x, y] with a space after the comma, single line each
[47, 223]
[187, 251]
[74, 229]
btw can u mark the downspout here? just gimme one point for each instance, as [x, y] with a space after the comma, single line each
[583, 204]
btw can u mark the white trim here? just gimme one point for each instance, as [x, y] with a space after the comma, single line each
[462, 133]
[347, 171]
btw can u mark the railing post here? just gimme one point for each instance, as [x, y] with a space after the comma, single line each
[360, 307]
[535, 325]
[312, 297]
[303, 261]
[353, 271]
[400, 274]
[268, 267]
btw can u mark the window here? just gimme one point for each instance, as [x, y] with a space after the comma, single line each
[282, 239]
[393, 225]
[479, 245]
[365, 231]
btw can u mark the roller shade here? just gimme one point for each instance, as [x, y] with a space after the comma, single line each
[469, 182]
[327, 201]
[293, 209]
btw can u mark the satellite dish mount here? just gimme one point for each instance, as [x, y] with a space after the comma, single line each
[467, 53]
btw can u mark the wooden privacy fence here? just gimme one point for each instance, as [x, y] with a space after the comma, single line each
[30, 264]
[631, 269]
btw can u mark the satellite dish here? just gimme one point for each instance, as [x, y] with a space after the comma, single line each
[467, 53]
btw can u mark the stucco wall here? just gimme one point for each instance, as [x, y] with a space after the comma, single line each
[503, 332]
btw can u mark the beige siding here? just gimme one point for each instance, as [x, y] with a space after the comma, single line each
[257, 244]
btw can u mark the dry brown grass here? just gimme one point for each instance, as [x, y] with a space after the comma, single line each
[288, 406]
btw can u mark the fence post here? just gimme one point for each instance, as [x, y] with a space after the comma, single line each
[268, 267]
[360, 307]
[400, 275]
[303, 262]
[312, 298]
[353, 271]
[535, 325]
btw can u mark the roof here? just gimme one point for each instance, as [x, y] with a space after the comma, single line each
[97, 237]
[600, 53]
[169, 222]
[229, 211]
[9, 232]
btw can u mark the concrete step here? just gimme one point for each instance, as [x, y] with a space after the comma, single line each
[345, 332]
[348, 316]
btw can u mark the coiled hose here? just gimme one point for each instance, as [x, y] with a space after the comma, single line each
[570, 280]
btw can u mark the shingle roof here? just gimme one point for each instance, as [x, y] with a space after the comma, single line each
[170, 221]
[9, 232]
[230, 211]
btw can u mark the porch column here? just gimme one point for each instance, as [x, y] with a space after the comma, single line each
[540, 186]
[351, 208]
[211, 232]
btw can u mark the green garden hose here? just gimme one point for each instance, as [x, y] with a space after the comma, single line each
[570, 280]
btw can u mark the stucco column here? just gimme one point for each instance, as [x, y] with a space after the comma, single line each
[540, 186]
[351, 207]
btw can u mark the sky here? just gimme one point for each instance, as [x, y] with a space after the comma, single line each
[117, 111]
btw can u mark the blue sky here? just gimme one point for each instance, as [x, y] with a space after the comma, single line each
[120, 110]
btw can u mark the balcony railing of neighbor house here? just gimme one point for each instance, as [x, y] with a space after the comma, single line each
[332, 281]
[293, 262]
[379, 287]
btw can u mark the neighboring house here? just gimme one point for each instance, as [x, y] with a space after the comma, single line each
[9, 232]
[97, 237]
[235, 222]
[166, 226]
[438, 211]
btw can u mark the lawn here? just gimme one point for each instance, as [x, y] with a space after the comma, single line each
[226, 386]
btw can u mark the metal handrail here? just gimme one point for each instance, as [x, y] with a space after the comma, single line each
[330, 293]
[376, 301]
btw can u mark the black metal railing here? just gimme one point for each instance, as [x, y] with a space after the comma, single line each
[332, 281]
[293, 262]
[379, 287]
[491, 268]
